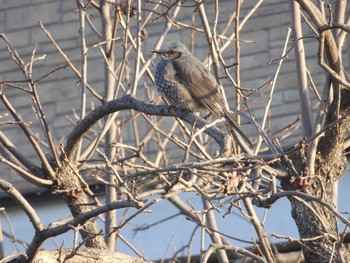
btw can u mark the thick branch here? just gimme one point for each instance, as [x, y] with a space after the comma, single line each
[41, 236]
[127, 103]
[27, 208]
[301, 71]
[34, 170]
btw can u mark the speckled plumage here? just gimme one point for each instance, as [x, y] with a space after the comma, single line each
[171, 89]
[185, 82]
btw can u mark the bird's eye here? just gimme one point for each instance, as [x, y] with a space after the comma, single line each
[171, 52]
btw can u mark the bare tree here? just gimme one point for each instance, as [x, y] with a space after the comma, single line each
[111, 144]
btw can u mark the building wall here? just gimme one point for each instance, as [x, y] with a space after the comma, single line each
[262, 39]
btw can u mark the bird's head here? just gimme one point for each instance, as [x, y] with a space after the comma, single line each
[174, 50]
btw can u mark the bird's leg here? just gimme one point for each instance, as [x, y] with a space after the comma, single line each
[206, 117]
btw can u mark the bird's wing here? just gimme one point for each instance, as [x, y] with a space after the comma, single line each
[202, 86]
[200, 83]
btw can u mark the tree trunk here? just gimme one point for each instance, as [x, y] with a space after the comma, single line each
[78, 201]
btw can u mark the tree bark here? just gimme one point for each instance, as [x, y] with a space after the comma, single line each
[82, 255]
[78, 201]
[316, 224]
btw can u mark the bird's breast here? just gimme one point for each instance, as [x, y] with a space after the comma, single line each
[172, 87]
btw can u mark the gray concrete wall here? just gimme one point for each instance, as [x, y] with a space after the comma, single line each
[262, 40]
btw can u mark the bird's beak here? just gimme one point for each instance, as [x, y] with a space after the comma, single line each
[156, 51]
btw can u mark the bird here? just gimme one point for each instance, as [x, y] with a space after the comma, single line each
[185, 82]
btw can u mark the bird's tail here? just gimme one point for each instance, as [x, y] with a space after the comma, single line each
[230, 119]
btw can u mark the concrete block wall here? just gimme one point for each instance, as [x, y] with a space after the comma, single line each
[262, 40]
